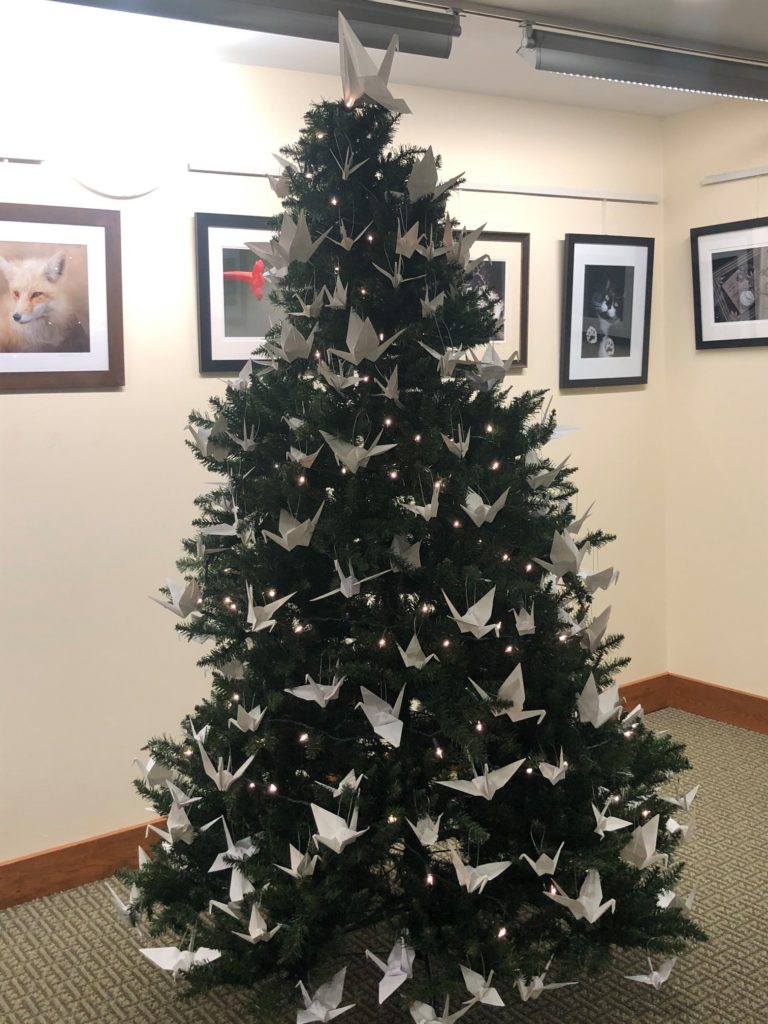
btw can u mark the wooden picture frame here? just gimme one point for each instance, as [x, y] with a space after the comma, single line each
[61, 316]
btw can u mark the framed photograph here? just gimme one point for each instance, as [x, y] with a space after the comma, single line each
[606, 311]
[506, 277]
[730, 284]
[232, 319]
[61, 317]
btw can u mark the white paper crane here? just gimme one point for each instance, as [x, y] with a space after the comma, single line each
[294, 243]
[605, 822]
[683, 802]
[281, 184]
[462, 243]
[205, 438]
[320, 693]
[426, 512]
[481, 988]
[313, 308]
[349, 784]
[152, 772]
[487, 784]
[544, 865]
[171, 958]
[432, 250]
[333, 831]
[349, 584]
[475, 879]
[292, 344]
[248, 441]
[601, 580]
[338, 298]
[397, 970]
[657, 976]
[346, 241]
[413, 656]
[391, 389]
[532, 989]
[259, 617]
[184, 599]
[221, 777]
[512, 691]
[588, 905]
[598, 707]
[247, 721]
[565, 555]
[422, 181]
[687, 832]
[361, 77]
[125, 910]
[396, 278]
[408, 243]
[258, 929]
[431, 304]
[338, 381]
[384, 717]
[355, 456]
[240, 885]
[479, 512]
[640, 851]
[302, 865]
[300, 458]
[426, 829]
[554, 773]
[525, 621]
[446, 361]
[593, 634]
[423, 1013]
[485, 372]
[362, 341]
[458, 448]
[293, 534]
[347, 166]
[178, 827]
[324, 1004]
[546, 477]
[475, 618]
[180, 797]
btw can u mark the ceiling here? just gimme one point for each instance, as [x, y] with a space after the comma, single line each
[483, 58]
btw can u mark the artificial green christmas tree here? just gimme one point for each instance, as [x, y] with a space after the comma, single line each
[412, 725]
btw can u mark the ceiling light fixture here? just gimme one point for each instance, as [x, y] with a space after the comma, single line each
[636, 64]
[427, 33]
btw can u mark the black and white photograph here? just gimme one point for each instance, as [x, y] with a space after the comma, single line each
[234, 306]
[606, 312]
[730, 284]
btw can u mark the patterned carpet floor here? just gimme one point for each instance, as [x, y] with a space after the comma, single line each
[65, 959]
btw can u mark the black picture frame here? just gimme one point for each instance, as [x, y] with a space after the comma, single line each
[219, 236]
[729, 265]
[513, 250]
[606, 321]
[81, 344]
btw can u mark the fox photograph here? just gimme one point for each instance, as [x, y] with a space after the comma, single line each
[43, 297]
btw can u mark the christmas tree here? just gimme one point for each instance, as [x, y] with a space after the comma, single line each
[413, 724]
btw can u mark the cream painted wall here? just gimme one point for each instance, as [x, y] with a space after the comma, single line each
[98, 487]
[717, 419]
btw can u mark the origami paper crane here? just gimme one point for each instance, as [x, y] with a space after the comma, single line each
[397, 970]
[361, 77]
[475, 619]
[587, 905]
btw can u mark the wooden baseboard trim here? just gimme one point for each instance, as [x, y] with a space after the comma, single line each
[721, 703]
[653, 692]
[65, 867]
